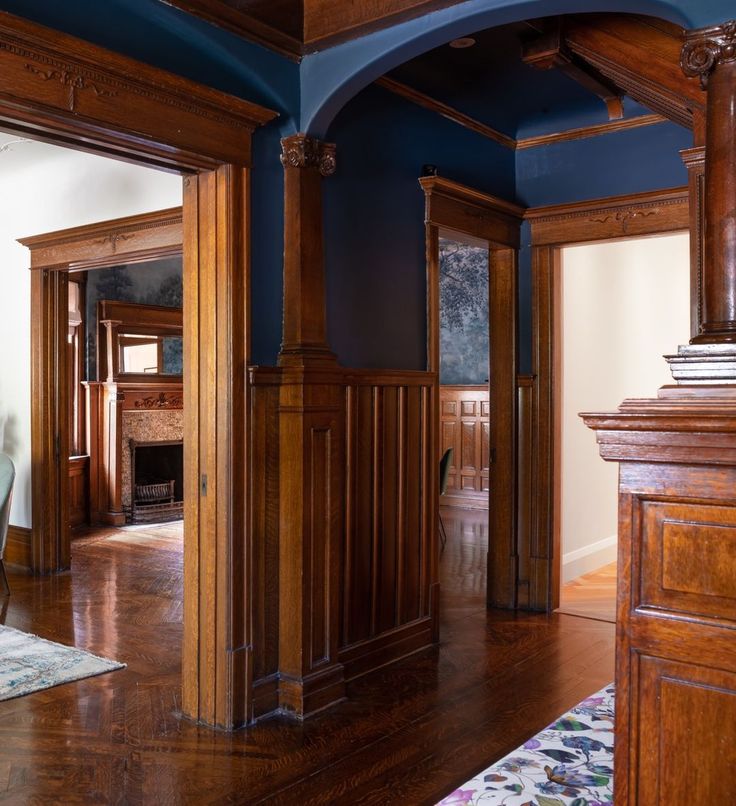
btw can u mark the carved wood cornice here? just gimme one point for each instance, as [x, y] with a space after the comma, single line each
[302, 151]
[706, 48]
[117, 102]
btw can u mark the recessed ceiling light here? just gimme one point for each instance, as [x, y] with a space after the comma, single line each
[463, 42]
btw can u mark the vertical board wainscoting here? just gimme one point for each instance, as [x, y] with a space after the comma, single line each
[387, 583]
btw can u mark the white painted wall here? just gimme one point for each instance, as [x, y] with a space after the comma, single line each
[625, 304]
[46, 188]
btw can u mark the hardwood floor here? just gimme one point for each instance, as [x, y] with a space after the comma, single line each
[408, 734]
[592, 595]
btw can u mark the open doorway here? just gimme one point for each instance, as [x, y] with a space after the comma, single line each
[623, 304]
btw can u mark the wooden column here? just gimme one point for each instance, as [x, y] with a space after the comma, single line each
[710, 53]
[311, 448]
[694, 159]
[676, 607]
[216, 663]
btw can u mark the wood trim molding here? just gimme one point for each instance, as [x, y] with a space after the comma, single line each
[595, 130]
[18, 547]
[119, 106]
[449, 112]
[121, 240]
[636, 214]
[553, 227]
[456, 116]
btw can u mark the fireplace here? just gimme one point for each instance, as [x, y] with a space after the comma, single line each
[157, 481]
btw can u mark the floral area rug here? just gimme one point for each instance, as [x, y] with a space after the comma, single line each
[29, 663]
[570, 763]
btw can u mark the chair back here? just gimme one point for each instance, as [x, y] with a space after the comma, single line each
[445, 463]
[7, 477]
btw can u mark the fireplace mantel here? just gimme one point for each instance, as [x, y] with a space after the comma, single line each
[118, 412]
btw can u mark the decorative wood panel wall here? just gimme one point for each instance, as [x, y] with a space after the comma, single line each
[464, 427]
[387, 585]
[389, 523]
[78, 490]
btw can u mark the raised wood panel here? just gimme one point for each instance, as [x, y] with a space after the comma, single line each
[679, 572]
[388, 539]
[18, 548]
[466, 429]
[678, 707]
[78, 490]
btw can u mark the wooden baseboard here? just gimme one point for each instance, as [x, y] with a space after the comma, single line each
[367, 656]
[476, 501]
[18, 548]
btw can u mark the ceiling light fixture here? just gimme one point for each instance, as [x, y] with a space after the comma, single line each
[463, 42]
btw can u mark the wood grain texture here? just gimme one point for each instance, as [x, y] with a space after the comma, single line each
[413, 731]
[592, 595]
[465, 427]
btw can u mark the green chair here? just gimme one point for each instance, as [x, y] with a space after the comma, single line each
[445, 463]
[7, 477]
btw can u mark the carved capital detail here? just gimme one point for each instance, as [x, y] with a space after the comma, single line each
[705, 48]
[301, 151]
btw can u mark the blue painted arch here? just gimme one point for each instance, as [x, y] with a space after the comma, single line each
[330, 78]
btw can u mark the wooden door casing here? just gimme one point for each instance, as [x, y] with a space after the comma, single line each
[465, 427]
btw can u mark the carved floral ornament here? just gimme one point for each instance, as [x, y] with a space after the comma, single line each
[705, 48]
[301, 151]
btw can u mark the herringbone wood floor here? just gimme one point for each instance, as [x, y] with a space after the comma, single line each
[409, 734]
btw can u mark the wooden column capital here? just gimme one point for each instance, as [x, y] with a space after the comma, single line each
[302, 151]
[706, 48]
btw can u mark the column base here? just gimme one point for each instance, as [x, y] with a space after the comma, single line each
[304, 697]
[704, 364]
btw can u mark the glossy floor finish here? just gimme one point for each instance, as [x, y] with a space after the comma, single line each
[592, 595]
[409, 734]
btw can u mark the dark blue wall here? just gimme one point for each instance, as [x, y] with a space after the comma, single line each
[374, 222]
[631, 161]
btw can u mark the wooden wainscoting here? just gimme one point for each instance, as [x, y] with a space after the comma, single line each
[464, 427]
[18, 547]
[387, 586]
[389, 583]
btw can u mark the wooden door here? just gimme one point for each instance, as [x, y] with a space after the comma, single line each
[465, 424]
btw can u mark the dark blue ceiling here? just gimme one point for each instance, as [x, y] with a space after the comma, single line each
[490, 82]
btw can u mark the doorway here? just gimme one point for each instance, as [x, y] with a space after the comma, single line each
[623, 304]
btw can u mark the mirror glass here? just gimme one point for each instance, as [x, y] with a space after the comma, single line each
[143, 354]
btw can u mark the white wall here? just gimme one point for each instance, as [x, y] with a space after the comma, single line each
[625, 304]
[46, 188]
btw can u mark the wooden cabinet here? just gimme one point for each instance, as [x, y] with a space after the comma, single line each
[465, 427]
[676, 628]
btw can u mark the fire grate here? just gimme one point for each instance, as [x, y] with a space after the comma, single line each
[156, 493]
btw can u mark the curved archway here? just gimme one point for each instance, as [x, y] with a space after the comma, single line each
[330, 78]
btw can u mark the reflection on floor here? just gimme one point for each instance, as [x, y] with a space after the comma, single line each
[592, 595]
[409, 733]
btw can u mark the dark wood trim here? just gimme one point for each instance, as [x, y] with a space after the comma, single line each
[468, 122]
[458, 208]
[554, 227]
[63, 90]
[132, 239]
[694, 159]
[636, 214]
[449, 112]
[18, 548]
[58, 86]
[583, 132]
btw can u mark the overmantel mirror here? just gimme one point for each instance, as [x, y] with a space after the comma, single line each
[139, 342]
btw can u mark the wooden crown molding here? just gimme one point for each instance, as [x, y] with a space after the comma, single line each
[449, 112]
[439, 186]
[705, 48]
[302, 151]
[117, 101]
[130, 239]
[646, 213]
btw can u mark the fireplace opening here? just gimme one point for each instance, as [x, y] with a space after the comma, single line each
[157, 481]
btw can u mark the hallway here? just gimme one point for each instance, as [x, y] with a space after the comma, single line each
[408, 733]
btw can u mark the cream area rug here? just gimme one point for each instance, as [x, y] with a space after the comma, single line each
[29, 663]
[570, 763]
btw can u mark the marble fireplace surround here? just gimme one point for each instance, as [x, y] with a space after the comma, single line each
[146, 426]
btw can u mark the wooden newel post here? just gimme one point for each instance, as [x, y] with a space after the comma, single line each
[311, 448]
[676, 608]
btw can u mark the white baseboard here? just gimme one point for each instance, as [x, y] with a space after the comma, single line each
[588, 558]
